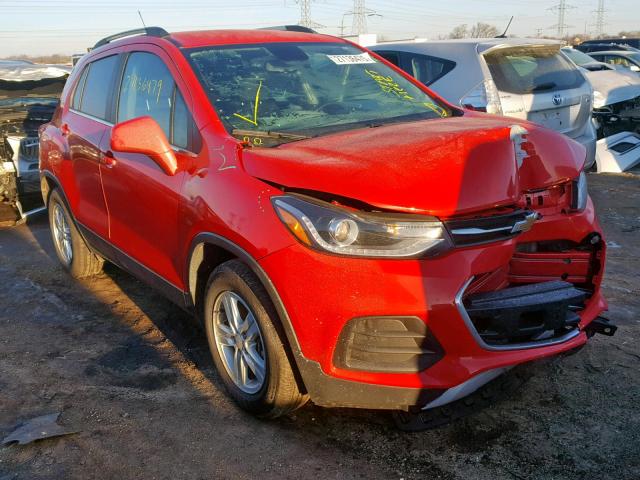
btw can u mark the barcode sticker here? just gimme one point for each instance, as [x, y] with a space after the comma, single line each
[351, 59]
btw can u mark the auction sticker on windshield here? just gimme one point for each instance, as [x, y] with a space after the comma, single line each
[351, 59]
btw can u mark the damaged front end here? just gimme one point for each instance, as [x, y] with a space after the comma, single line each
[616, 114]
[29, 96]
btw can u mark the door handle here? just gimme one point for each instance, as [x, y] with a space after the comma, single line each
[107, 159]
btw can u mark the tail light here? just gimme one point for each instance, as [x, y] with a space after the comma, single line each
[483, 97]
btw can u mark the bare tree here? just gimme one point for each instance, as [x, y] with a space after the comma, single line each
[54, 58]
[461, 31]
[479, 30]
[483, 30]
[632, 34]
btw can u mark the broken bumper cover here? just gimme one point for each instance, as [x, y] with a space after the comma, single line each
[330, 292]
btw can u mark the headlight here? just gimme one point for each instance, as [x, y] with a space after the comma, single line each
[329, 228]
[579, 193]
[597, 99]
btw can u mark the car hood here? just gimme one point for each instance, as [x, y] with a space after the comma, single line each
[613, 87]
[441, 167]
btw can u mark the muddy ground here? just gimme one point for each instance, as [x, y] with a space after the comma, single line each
[133, 376]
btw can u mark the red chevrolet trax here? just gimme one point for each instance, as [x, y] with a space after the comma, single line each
[344, 234]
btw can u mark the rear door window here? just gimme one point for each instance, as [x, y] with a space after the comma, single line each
[532, 69]
[97, 87]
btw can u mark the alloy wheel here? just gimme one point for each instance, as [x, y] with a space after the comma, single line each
[239, 342]
[62, 234]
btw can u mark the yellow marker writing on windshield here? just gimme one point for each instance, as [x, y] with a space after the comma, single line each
[255, 108]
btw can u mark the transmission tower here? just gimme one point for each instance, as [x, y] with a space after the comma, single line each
[359, 17]
[562, 8]
[600, 19]
[305, 14]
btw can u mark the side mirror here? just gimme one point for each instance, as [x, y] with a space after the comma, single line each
[144, 135]
[635, 68]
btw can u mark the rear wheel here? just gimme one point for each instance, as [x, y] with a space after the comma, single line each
[70, 247]
[247, 348]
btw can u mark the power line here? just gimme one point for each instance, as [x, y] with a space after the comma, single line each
[561, 26]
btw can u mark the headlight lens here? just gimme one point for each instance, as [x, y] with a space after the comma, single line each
[579, 193]
[326, 227]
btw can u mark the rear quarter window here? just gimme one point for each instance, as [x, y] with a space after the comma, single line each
[98, 87]
[525, 69]
[77, 94]
[426, 68]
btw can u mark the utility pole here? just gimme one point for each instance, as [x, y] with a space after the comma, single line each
[561, 26]
[539, 32]
[600, 23]
[359, 17]
[305, 14]
[360, 13]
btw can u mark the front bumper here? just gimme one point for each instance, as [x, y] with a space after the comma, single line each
[322, 293]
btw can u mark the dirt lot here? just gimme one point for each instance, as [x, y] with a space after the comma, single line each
[132, 375]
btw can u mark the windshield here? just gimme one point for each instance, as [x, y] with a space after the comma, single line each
[635, 57]
[306, 89]
[577, 56]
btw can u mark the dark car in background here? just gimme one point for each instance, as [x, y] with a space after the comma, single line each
[597, 45]
[620, 59]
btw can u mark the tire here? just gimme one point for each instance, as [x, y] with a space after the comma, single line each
[70, 247]
[241, 347]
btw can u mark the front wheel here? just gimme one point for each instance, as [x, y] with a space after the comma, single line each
[70, 247]
[247, 349]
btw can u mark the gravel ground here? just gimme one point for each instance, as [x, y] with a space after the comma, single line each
[133, 376]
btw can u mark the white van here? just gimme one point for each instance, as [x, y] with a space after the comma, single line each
[522, 78]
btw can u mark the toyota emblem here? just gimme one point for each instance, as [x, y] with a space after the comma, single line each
[557, 99]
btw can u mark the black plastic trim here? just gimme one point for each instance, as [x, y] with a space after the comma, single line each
[150, 31]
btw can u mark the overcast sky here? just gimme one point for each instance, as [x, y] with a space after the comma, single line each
[69, 26]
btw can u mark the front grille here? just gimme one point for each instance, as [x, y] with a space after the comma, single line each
[524, 314]
[387, 344]
[29, 148]
[475, 230]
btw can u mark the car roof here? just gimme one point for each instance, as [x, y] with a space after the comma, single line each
[606, 41]
[204, 38]
[623, 53]
[479, 44]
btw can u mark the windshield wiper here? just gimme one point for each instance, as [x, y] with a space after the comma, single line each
[543, 86]
[268, 134]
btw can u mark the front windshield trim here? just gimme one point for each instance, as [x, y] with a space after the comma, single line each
[436, 110]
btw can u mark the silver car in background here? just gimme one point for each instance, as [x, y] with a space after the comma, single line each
[523, 78]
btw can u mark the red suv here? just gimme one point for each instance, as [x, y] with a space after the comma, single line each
[345, 235]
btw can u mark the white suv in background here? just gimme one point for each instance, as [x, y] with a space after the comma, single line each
[523, 78]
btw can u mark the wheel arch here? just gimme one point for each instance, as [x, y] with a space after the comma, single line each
[207, 251]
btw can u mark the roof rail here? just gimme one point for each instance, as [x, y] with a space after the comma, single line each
[291, 28]
[151, 31]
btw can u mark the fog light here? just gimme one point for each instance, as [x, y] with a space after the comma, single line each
[343, 230]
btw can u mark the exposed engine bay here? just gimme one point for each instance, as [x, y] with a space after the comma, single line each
[24, 106]
[618, 117]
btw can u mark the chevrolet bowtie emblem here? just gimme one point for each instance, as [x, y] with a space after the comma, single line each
[526, 224]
